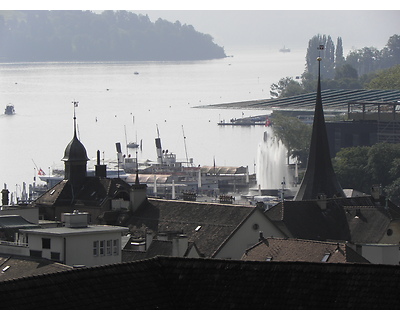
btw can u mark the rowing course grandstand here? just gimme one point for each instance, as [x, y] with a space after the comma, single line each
[337, 100]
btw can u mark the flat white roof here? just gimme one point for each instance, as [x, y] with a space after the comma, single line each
[60, 231]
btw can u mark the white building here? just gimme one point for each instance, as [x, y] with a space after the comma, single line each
[77, 243]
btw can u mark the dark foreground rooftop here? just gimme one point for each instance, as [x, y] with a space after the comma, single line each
[184, 283]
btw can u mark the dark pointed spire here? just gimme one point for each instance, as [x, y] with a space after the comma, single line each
[75, 158]
[320, 177]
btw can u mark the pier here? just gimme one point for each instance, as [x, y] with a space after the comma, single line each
[247, 121]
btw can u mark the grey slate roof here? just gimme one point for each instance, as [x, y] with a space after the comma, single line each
[216, 221]
[157, 248]
[13, 267]
[278, 249]
[93, 193]
[15, 222]
[358, 219]
[304, 220]
[209, 284]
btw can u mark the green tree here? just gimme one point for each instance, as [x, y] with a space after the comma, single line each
[286, 87]
[362, 167]
[391, 53]
[388, 79]
[346, 71]
[295, 135]
[365, 60]
[74, 35]
[380, 159]
[339, 57]
[327, 54]
[350, 165]
[393, 189]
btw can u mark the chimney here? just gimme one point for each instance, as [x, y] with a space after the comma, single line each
[376, 191]
[4, 196]
[321, 201]
[138, 195]
[100, 169]
[149, 239]
[179, 245]
[160, 159]
[76, 219]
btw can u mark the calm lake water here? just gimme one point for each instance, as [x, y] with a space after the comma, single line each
[114, 100]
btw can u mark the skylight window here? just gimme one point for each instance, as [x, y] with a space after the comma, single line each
[5, 268]
[326, 257]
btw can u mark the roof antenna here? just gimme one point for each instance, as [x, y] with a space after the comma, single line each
[184, 141]
[137, 170]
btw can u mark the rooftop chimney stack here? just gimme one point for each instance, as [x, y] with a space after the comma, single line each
[76, 219]
[100, 169]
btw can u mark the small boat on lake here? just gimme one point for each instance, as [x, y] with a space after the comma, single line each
[132, 145]
[284, 49]
[10, 110]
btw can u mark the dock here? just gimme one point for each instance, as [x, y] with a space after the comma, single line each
[261, 120]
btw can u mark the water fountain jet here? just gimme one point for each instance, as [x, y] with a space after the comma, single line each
[272, 168]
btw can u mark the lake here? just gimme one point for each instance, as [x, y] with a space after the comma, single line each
[128, 101]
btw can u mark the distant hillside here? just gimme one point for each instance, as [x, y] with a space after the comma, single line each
[109, 36]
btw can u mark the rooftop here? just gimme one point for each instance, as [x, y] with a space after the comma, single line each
[206, 224]
[209, 284]
[75, 231]
[13, 267]
[276, 249]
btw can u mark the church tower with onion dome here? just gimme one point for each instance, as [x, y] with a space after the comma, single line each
[75, 160]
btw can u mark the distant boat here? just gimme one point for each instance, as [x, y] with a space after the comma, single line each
[10, 110]
[284, 49]
[132, 145]
[136, 72]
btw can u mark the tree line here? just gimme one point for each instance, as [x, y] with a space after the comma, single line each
[366, 68]
[67, 35]
[362, 167]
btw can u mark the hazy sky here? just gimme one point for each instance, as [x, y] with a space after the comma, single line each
[254, 23]
[291, 28]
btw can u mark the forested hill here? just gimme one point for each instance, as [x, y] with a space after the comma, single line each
[108, 36]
